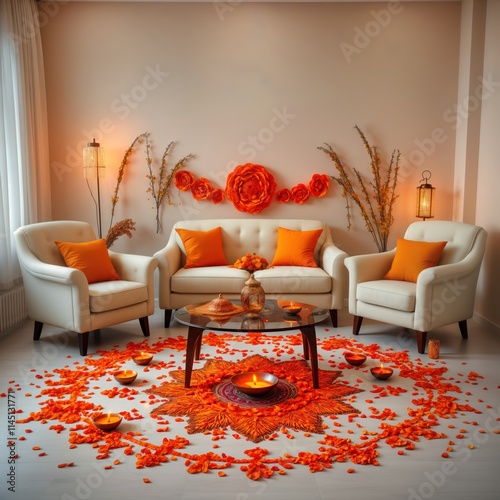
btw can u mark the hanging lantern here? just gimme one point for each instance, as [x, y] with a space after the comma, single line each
[425, 197]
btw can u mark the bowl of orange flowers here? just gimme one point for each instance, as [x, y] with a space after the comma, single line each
[251, 262]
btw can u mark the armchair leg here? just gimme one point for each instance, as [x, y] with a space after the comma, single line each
[356, 324]
[334, 317]
[144, 325]
[83, 342]
[168, 317]
[463, 328]
[37, 331]
[421, 341]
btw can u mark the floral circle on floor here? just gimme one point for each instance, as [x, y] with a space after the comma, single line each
[337, 424]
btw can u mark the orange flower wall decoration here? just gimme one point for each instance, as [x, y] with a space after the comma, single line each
[250, 188]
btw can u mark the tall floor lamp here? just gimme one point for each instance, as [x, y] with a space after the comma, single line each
[93, 167]
[425, 197]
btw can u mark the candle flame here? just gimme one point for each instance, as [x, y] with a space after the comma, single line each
[109, 416]
[381, 366]
[254, 379]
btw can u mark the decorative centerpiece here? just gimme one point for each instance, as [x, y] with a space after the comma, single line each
[253, 296]
[254, 383]
[354, 359]
[125, 376]
[107, 422]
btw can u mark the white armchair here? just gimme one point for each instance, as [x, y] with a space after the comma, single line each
[61, 296]
[442, 295]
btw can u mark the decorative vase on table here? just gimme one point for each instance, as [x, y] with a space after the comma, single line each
[253, 296]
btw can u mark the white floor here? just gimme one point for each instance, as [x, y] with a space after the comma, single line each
[472, 471]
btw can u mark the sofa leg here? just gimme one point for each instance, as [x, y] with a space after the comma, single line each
[463, 328]
[356, 324]
[168, 317]
[37, 331]
[144, 325]
[83, 342]
[334, 317]
[421, 341]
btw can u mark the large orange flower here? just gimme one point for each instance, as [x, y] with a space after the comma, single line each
[318, 185]
[201, 189]
[183, 180]
[250, 188]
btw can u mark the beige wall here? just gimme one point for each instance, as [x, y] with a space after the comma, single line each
[213, 80]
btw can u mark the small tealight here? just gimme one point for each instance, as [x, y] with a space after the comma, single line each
[143, 358]
[107, 421]
[354, 359]
[381, 372]
[125, 376]
[292, 309]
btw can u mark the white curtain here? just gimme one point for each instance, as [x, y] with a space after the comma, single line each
[24, 159]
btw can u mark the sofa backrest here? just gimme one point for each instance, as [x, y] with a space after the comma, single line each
[461, 238]
[240, 236]
[39, 239]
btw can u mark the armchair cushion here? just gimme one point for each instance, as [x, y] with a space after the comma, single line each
[90, 257]
[412, 257]
[203, 248]
[296, 248]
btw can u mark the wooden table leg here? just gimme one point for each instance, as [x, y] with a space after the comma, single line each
[309, 338]
[192, 351]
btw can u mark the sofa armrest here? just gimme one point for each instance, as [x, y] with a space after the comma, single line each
[332, 262]
[169, 262]
[368, 267]
[138, 268]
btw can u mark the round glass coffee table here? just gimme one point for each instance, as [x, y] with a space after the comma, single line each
[272, 318]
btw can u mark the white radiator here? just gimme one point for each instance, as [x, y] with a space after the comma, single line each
[12, 307]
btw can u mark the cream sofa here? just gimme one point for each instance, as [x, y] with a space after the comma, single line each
[323, 286]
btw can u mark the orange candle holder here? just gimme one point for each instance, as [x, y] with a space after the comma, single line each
[254, 383]
[125, 377]
[107, 421]
[381, 372]
[143, 358]
[354, 358]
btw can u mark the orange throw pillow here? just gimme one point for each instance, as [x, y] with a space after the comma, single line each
[203, 248]
[412, 257]
[90, 257]
[296, 248]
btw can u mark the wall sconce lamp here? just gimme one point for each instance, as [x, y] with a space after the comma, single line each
[93, 167]
[425, 195]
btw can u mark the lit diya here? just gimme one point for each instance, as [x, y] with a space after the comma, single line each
[354, 358]
[125, 376]
[107, 422]
[254, 383]
[381, 372]
[292, 308]
[144, 358]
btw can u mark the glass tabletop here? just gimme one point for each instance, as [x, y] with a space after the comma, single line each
[273, 318]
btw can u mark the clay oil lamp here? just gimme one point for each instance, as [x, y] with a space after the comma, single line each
[125, 377]
[107, 421]
[143, 358]
[381, 372]
[354, 358]
[254, 383]
[292, 308]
